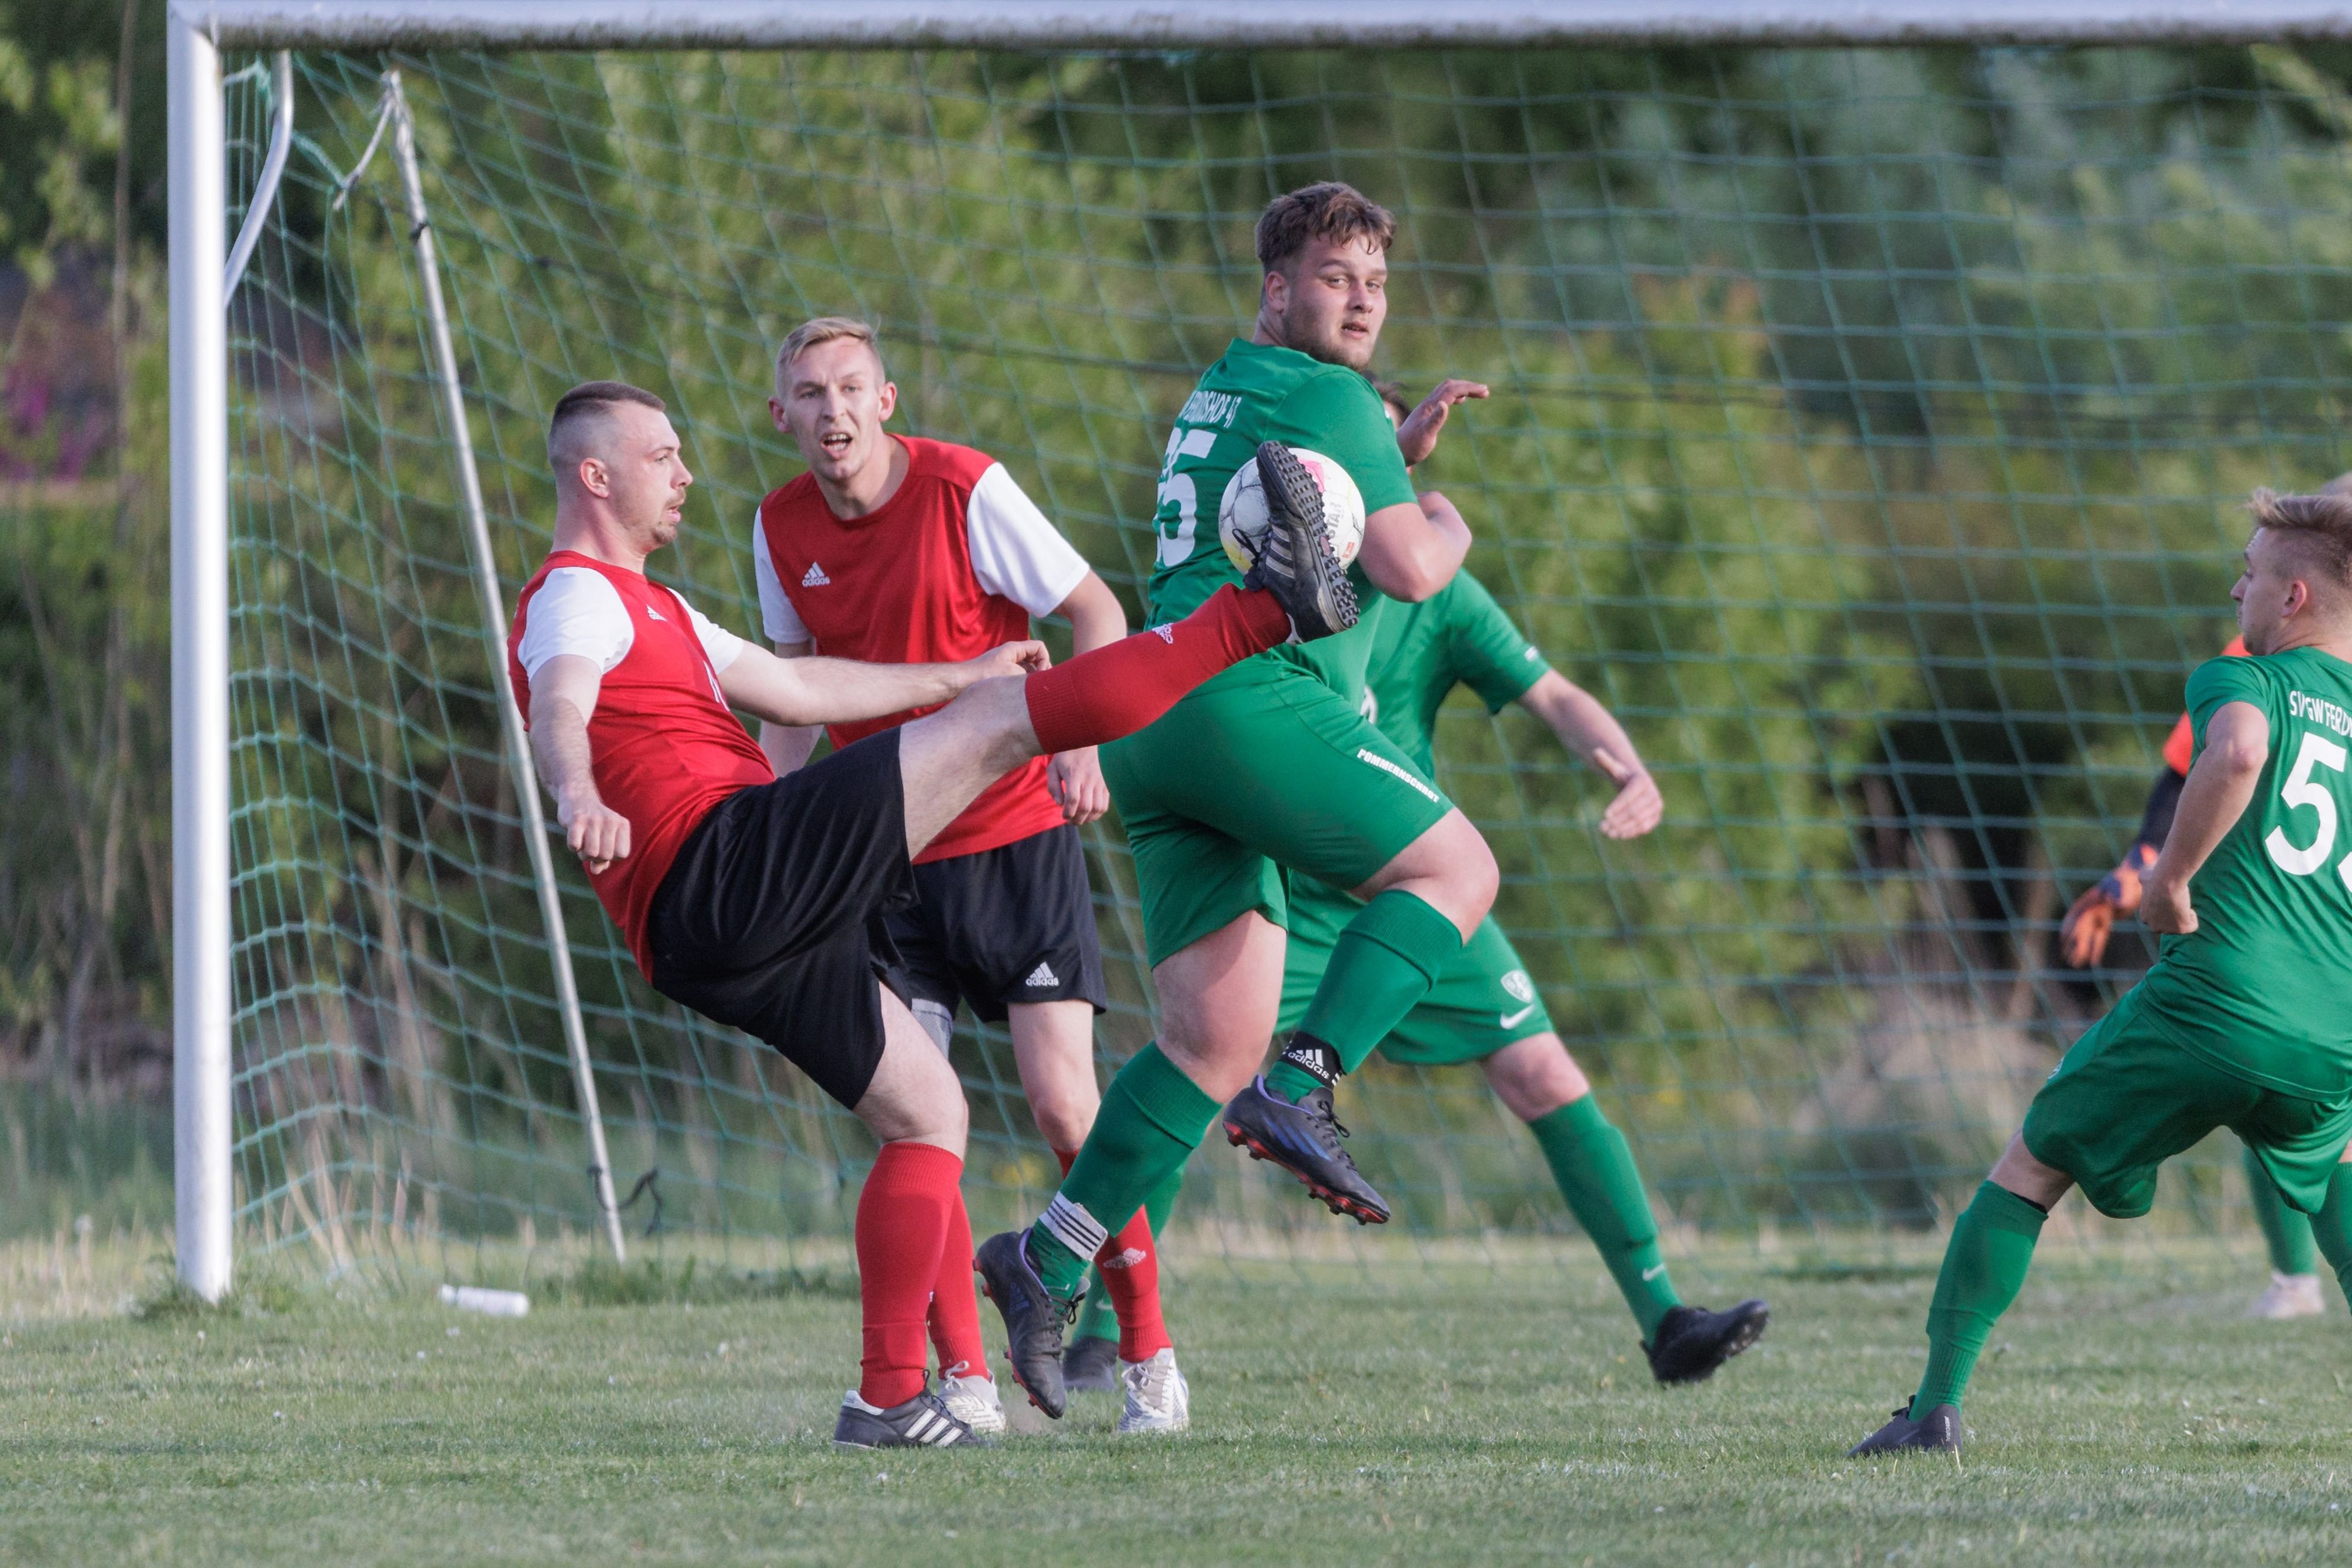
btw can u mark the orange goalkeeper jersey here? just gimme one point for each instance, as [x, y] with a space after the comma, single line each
[2180, 747]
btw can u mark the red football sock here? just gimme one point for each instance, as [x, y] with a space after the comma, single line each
[1131, 1272]
[1117, 690]
[902, 1226]
[955, 1308]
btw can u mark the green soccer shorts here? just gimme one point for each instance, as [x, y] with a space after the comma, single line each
[1241, 779]
[1483, 1001]
[2125, 1099]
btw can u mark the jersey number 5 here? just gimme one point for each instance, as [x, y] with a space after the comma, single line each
[2299, 791]
[1176, 545]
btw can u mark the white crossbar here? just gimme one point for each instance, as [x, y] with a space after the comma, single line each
[1242, 23]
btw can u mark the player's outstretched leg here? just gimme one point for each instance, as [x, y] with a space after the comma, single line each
[1539, 1082]
[948, 757]
[1984, 1267]
[2294, 1290]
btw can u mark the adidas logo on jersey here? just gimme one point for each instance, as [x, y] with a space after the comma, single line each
[1165, 633]
[814, 577]
[654, 614]
[1040, 978]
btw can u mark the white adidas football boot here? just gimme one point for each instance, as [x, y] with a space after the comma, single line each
[972, 1399]
[1157, 1399]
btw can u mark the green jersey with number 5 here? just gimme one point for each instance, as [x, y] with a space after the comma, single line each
[2262, 987]
[1257, 392]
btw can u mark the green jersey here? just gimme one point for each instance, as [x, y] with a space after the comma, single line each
[1420, 652]
[2259, 988]
[1255, 394]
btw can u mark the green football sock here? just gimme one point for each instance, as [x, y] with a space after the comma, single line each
[1382, 966]
[2332, 1227]
[2286, 1230]
[1098, 1319]
[1594, 1167]
[1153, 1118]
[1984, 1268]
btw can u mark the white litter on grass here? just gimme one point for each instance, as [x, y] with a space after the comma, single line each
[495, 1304]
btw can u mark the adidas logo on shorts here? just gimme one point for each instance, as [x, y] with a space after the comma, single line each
[1041, 977]
[814, 577]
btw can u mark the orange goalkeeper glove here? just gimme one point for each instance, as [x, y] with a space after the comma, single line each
[2083, 938]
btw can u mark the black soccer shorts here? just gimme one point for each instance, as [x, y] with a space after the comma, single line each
[1014, 923]
[772, 919]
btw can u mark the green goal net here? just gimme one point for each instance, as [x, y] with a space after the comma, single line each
[1867, 431]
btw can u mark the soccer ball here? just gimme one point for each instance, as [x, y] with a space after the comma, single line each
[1241, 513]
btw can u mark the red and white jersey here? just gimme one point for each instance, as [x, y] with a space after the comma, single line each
[663, 743]
[952, 565]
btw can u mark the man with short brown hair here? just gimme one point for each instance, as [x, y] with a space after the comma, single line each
[1270, 770]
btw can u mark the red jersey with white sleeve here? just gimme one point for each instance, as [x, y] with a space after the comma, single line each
[663, 743]
[954, 564]
[2180, 746]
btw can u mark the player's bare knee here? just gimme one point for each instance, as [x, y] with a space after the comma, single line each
[995, 716]
[1473, 879]
[1450, 868]
[931, 1112]
[1536, 1076]
[2018, 1171]
[914, 1095]
[1220, 1063]
[1062, 1126]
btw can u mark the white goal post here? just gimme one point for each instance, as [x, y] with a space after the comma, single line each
[199, 30]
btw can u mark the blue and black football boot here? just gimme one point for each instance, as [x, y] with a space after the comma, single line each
[1033, 1320]
[1304, 1139]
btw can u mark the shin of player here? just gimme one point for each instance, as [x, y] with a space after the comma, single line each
[756, 900]
[896, 550]
[2254, 881]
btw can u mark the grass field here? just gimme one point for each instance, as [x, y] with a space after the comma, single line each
[2125, 1414]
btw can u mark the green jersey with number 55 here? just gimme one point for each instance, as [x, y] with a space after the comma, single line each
[1257, 392]
[2262, 987]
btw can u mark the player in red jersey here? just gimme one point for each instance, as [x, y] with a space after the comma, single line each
[757, 901]
[896, 550]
